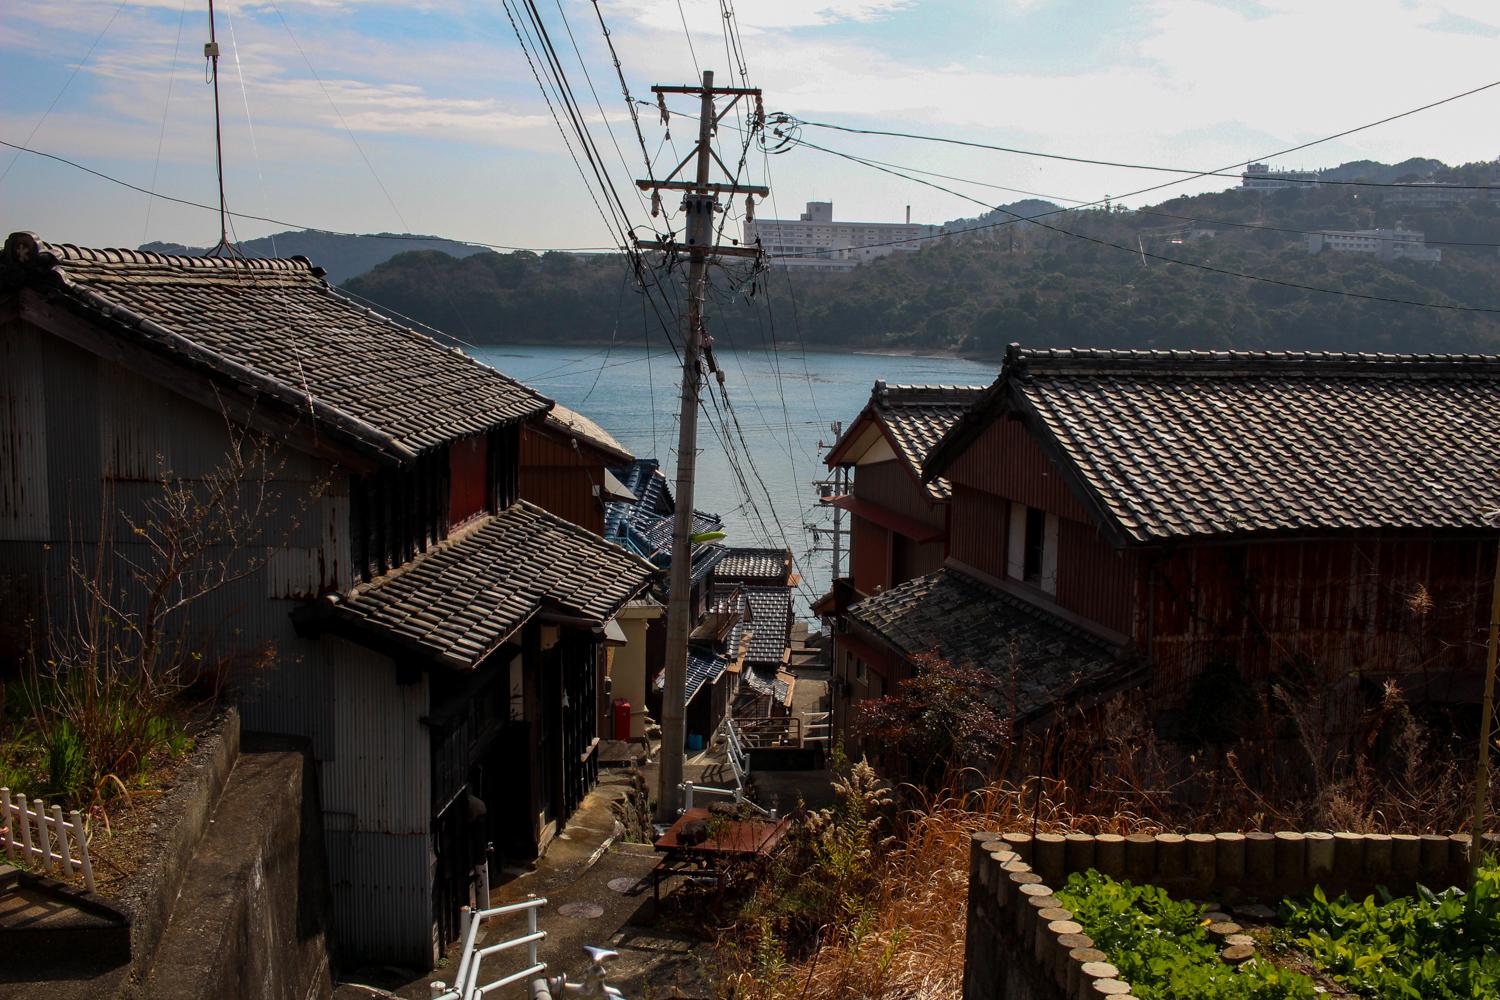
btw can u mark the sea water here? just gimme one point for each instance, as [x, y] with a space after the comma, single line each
[785, 403]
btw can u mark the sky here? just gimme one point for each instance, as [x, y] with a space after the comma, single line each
[423, 115]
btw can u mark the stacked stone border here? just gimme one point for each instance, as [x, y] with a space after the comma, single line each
[1024, 945]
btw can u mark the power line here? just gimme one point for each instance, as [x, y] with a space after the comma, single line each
[1218, 172]
[21, 148]
[68, 83]
[1141, 252]
[1079, 204]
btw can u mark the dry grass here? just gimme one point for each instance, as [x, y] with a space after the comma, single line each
[900, 933]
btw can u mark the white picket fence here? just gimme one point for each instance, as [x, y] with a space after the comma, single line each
[43, 838]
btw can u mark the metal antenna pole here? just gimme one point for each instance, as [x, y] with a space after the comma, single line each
[211, 53]
[700, 200]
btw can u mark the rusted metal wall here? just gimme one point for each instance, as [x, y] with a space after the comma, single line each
[1094, 580]
[1007, 462]
[23, 435]
[892, 486]
[978, 527]
[1340, 604]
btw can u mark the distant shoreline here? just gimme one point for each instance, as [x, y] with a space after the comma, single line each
[874, 352]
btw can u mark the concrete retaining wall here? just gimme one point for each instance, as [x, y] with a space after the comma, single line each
[253, 915]
[1024, 945]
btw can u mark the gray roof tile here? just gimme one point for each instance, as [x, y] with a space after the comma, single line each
[464, 597]
[276, 329]
[1168, 444]
[955, 616]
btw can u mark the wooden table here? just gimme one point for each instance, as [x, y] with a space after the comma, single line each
[734, 841]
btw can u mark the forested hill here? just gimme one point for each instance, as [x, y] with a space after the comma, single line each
[1018, 281]
[342, 256]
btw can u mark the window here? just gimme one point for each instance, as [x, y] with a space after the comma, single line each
[1031, 550]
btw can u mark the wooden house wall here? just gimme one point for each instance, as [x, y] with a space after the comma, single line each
[1345, 604]
[892, 486]
[979, 524]
[1095, 580]
[562, 479]
[1006, 461]
[869, 555]
[469, 478]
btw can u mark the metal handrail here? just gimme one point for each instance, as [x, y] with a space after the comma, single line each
[466, 985]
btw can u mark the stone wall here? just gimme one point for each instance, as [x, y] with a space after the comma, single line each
[1023, 945]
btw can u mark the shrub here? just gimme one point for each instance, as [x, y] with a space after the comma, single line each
[1426, 947]
[1161, 948]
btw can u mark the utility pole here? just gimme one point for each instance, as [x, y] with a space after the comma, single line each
[700, 202]
[830, 489]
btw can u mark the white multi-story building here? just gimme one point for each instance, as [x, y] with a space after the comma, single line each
[816, 242]
[1260, 177]
[1387, 244]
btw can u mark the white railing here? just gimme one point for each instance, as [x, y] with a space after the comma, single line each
[43, 839]
[689, 790]
[734, 747]
[466, 981]
[817, 727]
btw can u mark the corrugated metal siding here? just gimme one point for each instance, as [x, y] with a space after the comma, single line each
[378, 778]
[1007, 462]
[23, 436]
[1094, 579]
[539, 449]
[891, 485]
[977, 533]
[1342, 604]
[381, 912]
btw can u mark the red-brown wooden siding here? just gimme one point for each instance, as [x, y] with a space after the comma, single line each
[869, 556]
[1007, 462]
[468, 476]
[558, 478]
[1339, 604]
[892, 486]
[976, 534]
[1094, 579]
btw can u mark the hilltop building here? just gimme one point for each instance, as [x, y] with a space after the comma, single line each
[814, 241]
[1260, 177]
[1386, 244]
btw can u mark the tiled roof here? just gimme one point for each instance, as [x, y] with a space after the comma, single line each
[703, 668]
[274, 329]
[967, 621]
[460, 600]
[1170, 444]
[767, 613]
[914, 418]
[754, 564]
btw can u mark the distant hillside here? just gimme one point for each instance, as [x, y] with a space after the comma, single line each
[1147, 277]
[342, 257]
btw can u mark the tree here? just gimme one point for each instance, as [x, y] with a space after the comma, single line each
[946, 716]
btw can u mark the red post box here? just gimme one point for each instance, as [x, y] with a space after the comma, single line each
[622, 719]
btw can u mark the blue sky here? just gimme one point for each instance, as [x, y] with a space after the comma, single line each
[423, 116]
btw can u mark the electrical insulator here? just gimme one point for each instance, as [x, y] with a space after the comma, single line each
[655, 204]
[661, 104]
[749, 208]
